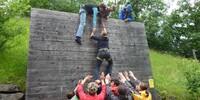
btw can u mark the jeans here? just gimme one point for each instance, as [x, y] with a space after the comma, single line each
[79, 32]
[82, 24]
[100, 57]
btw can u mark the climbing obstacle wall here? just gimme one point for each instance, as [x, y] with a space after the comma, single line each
[56, 62]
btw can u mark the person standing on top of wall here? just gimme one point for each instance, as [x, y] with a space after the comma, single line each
[102, 54]
[91, 10]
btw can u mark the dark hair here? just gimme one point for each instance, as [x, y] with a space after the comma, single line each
[143, 86]
[102, 5]
[147, 92]
[104, 12]
[70, 95]
[116, 82]
[123, 92]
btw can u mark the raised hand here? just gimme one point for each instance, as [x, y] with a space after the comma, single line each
[132, 75]
[93, 31]
[107, 79]
[102, 76]
[126, 75]
[122, 78]
[88, 77]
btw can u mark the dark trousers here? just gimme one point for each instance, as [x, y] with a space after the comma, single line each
[103, 55]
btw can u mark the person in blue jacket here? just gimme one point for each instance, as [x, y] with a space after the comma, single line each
[126, 13]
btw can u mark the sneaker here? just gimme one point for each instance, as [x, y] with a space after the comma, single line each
[78, 40]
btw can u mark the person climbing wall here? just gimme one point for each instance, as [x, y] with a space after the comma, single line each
[102, 54]
[95, 11]
[90, 10]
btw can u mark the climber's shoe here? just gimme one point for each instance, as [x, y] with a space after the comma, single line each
[78, 40]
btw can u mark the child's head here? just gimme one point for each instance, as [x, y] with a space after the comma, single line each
[105, 11]
[123, 92]
[115, 82]
[142, 86]
[102, 7]
[92, 88]
[114, 86]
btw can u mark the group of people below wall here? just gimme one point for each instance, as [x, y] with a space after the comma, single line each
[126, 87]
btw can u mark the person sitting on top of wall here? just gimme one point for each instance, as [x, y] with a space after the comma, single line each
[126, 13]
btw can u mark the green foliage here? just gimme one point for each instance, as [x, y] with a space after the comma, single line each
[153, 8]
[169, 74]
[192, 75]
[13, 61]
[152, 13]
[40, 3]
[62, 5]
[179, 32]
[10, 9]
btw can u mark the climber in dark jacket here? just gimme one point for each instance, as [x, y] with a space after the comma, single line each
[102, 54]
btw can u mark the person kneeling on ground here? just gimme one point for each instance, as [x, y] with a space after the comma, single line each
[103, 53]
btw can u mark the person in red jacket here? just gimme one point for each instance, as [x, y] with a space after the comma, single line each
[92, 88]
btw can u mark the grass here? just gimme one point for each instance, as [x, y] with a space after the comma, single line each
[168, 72]
[13, 61]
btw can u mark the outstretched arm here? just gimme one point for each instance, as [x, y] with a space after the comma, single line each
[133, 76]
[88, 77]
[93, 31]
[103, 91]
[125, 81]
[103, 23]
[107, 79]
[92, 36]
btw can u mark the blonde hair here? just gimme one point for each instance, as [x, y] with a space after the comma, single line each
[92, 88]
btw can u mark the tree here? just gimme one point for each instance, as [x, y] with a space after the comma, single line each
[183, 27]
[152, 14]
[10, 9]
[62, 5]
